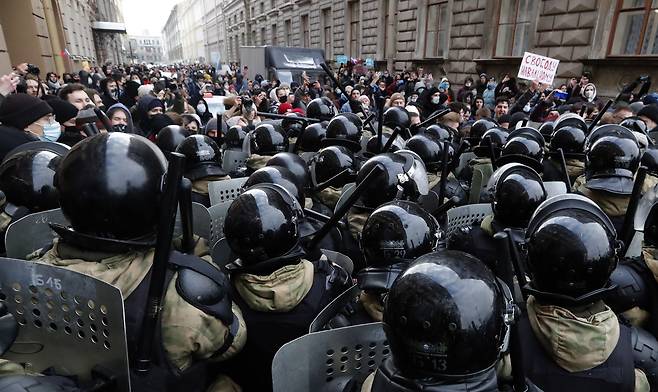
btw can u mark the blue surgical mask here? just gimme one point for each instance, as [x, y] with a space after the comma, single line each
[51, 132]
[444, 86]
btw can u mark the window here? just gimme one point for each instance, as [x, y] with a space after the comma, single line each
[272, 3]
[306, 34]
[436, 39]
[354, 27]
[513, 28]
[262, 35]
[288, 32]
[262, 7]
[275, 40]
[326, 32]
[635, 30]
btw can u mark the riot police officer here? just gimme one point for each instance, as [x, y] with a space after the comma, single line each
[279, 291]
[170, 137]
[612, 157]
[393, 236]
[27, 182]
[570, 337]
[325, 166]
[515, 192]
[111, 237]
[444, 320]
[266, 140]
[202, 165]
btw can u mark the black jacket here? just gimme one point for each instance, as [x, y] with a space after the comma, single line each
[11, 138]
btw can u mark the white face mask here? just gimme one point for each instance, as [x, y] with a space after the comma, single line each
[201, 108]
[436, 100]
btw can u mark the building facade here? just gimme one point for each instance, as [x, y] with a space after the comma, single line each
[615, 39]
[55, 35]
[145, 49]
[110, 32]
[172, 44]
[214, 31]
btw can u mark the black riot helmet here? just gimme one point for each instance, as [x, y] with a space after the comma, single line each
[397, 117]
[344, 130]
[479, 128]
[26, 178]
[234, 138]
[646, 217]
[495, 136]
[570, 120]
[393, 236]
[572, 249]
[440, 132]
[635, 124]
[262, 224]
[523, 149]
[293, 162]
[546, 129]
[118, 196]
[611, 162]
[570, 139]
[516, 191]
[444, 317]
[202, 157]
[292, 127]
[277, 175]
[372, 146]
[268, 139]
[430, 151]
[321, 108]
[650, 160]
[404, 178]
[170, 137]
[615, 130]
[312, 136]
[330, 161]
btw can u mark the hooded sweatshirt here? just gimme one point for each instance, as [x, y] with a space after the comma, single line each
[119, 106]
[578, 340]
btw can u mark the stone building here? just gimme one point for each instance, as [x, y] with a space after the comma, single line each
[110, 32]
[145, 48]
[172, 44]
[615, 39]
[57, 35]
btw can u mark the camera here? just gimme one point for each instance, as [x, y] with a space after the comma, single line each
[248, 104]
[33, 69]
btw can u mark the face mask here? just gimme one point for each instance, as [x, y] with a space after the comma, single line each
[413, 98]
[491, 86]
[444, 85]
[51, 132]
[283, 99]
[436, 100]
[201, 108]
[588, 94]
[468, 84]
[119, 128]
[114, 93]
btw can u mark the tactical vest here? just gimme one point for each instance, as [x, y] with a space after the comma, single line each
[475, 241]
[268, 331]
[163, 376]
[617, 374]
[388, 379]
[201, 199]
[350, 313]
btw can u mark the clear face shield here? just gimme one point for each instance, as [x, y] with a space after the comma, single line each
[415, 172]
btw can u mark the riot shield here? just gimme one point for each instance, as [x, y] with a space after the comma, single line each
[466, 216]
[68, 321]
[327, 360]
[225, 190]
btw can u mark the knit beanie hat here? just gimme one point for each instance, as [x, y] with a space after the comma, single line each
[62, 110]
[650, 111]
[21, 110]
